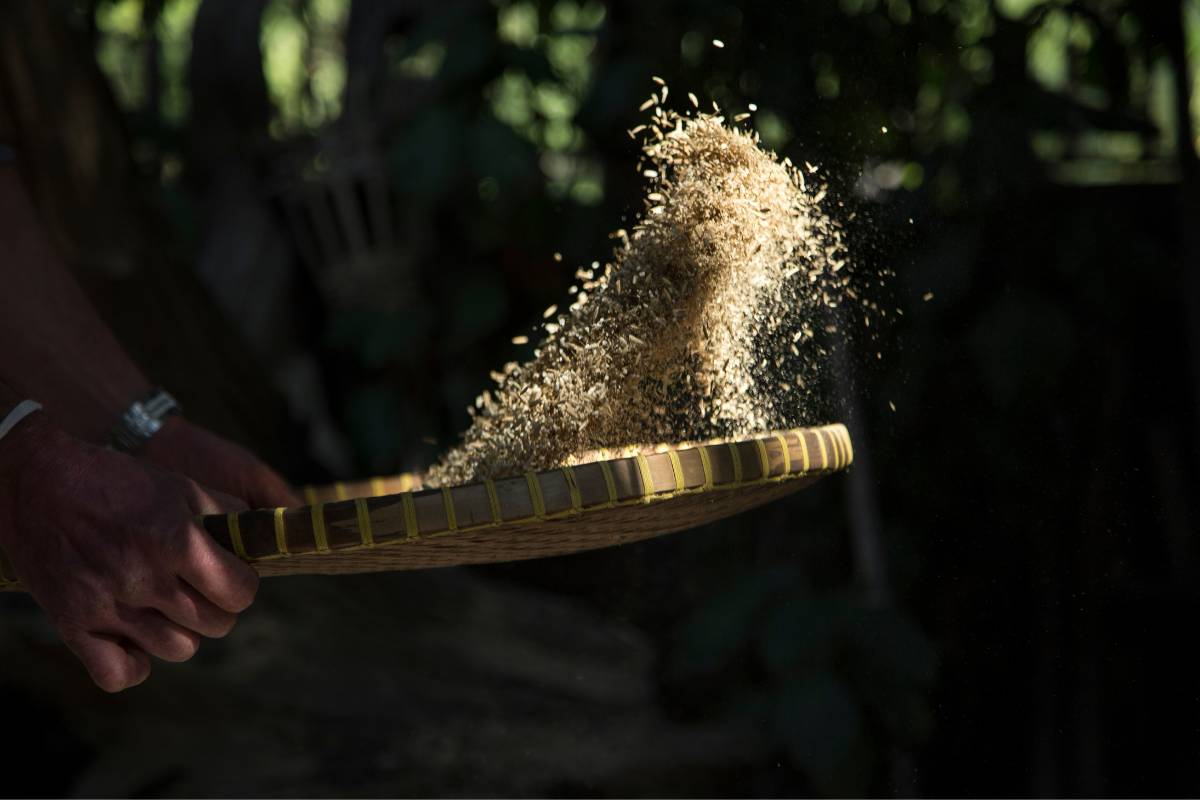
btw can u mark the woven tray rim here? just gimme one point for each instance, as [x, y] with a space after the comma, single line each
[832, 453]
[367, 509]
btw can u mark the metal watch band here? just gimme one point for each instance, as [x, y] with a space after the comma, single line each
[142, 420]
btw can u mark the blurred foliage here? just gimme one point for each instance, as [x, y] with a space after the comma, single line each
[945, 126]
[1101, 95]
[303, 62]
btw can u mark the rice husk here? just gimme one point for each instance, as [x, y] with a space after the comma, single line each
[703, 325]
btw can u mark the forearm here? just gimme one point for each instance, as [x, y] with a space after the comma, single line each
[53, 345]
[55, 349]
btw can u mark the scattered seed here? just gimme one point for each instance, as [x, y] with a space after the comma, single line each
[734, 248]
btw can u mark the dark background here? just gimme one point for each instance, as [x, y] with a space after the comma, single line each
[319, 222]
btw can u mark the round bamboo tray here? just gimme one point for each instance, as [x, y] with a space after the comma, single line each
[391, 524]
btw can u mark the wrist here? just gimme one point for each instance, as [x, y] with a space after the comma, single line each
[24, 452]
[169, 439]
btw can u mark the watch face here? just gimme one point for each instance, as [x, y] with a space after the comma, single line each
[140, 422]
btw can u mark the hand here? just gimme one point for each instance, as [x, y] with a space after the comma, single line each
[208, 459]
[108, 545]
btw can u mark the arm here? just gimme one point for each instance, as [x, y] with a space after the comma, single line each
[106, 543]
[54, 347]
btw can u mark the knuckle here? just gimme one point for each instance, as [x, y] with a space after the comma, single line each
[222, 627]
[166, 595]
[135, 581]
[244, 590]
[183, 647]
[176, 545]
[109, 682]
[110, 676]
[85, 612]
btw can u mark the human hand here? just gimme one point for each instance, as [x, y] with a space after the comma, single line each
[180, 446]
[109, 546]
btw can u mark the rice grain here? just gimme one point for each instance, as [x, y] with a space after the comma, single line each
[700, 326]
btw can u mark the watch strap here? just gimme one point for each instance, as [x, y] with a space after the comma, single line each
[18, 412]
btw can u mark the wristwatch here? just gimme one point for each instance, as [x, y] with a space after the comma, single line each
[142, 420]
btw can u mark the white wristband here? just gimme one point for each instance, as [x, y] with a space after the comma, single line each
[23, 410]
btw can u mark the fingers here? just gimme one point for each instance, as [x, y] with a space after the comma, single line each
[189, 609]
[220, 576]
[157, 635]
[117, 658]
[111, 665]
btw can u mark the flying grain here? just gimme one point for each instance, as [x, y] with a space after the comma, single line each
[701, 324]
